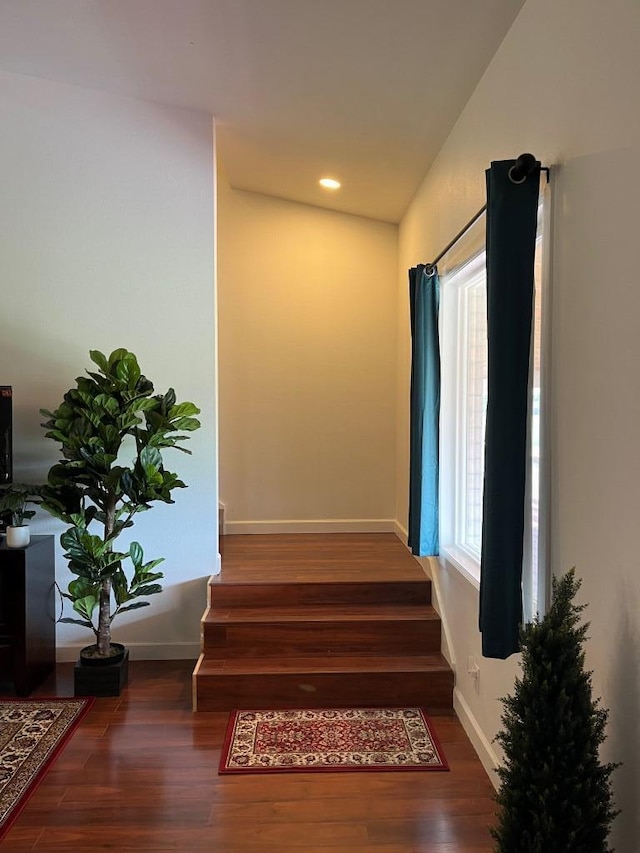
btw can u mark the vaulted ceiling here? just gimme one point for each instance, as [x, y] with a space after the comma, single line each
[365, 91]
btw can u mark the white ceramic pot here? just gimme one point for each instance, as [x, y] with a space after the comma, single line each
[18, 537]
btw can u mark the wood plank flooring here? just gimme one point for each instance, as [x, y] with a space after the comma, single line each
[140, 774]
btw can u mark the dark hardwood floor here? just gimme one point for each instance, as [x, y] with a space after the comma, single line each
[140, 773]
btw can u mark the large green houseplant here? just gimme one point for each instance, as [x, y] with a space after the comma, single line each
[110, 418]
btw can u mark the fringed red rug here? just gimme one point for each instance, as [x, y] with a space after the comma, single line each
[330, 740]
[32, 734]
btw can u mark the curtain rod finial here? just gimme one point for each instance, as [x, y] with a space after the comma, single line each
[524, 166]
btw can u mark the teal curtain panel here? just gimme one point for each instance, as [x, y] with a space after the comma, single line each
[424, 295]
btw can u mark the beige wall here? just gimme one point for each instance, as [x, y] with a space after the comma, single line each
[106, 240]
[307, 357]
[564, 85]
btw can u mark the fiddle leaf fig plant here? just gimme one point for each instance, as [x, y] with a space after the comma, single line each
[110, 418]
[14, 499]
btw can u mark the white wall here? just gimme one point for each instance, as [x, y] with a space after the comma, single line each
[106, 240]
[563, 85]
[308, 321]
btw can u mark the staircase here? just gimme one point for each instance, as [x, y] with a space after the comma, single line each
[338, 620]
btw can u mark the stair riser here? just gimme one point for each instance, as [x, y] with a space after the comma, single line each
[286, 594]
[276, 640]
[339, 690]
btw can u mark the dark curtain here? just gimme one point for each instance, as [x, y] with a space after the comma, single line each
[511, 236]
[424, 295]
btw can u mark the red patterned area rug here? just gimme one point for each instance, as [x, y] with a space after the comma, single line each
[32, 734]
[330, 740]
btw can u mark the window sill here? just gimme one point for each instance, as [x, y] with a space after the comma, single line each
[462, 562]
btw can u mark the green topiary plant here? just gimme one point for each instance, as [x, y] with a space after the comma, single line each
[110, 415]
[555, 795]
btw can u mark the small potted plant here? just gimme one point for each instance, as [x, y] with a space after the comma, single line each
[110, 418]
[14, 499]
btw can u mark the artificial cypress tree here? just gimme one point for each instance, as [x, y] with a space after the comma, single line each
[555, 795]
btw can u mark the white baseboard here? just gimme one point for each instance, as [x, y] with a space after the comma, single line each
[482, 746]
[338, 525]
[401, 531]
[447, 636]
[139, 651]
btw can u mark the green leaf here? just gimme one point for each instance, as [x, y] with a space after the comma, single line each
[117, 355]
[135, 552]
[85, 606]
[169, 400]
[150, 589]
[98, 378]
[111, 558]
[150, 456]
[107, 403]
[81, 589]
[145, 404]
[151, 565]
[86, 394]
[183, 410]
[183, 449]
[127, 370]
[110, 436]
[188, 424]
[78, 518]
[127, 421]
[142, 578]
[92, 418]
[135, 606]
[120, 587]
[100, 359]
[103, 461]
[69, 621]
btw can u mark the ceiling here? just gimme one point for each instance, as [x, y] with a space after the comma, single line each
[362, 90]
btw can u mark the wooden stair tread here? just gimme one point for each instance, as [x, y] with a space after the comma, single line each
[333, 663]
[321, 613]
[295, 621]
[318, 557]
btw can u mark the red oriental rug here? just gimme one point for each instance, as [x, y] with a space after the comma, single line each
[32, 734]
[330, 740]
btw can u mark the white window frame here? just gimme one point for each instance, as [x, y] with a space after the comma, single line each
[474, 276]
[452, 420]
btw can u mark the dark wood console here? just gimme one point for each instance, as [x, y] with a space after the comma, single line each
[27, 614]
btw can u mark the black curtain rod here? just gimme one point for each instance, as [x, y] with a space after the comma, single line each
[518, 173]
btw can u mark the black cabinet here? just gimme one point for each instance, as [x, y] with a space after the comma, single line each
[27, 614]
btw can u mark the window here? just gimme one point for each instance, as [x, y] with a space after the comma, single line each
[471, 392]
[463, 332]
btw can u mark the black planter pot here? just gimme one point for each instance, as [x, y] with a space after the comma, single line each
[95, 676]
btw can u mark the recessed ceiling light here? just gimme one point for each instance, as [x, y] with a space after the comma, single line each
[330, 183]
